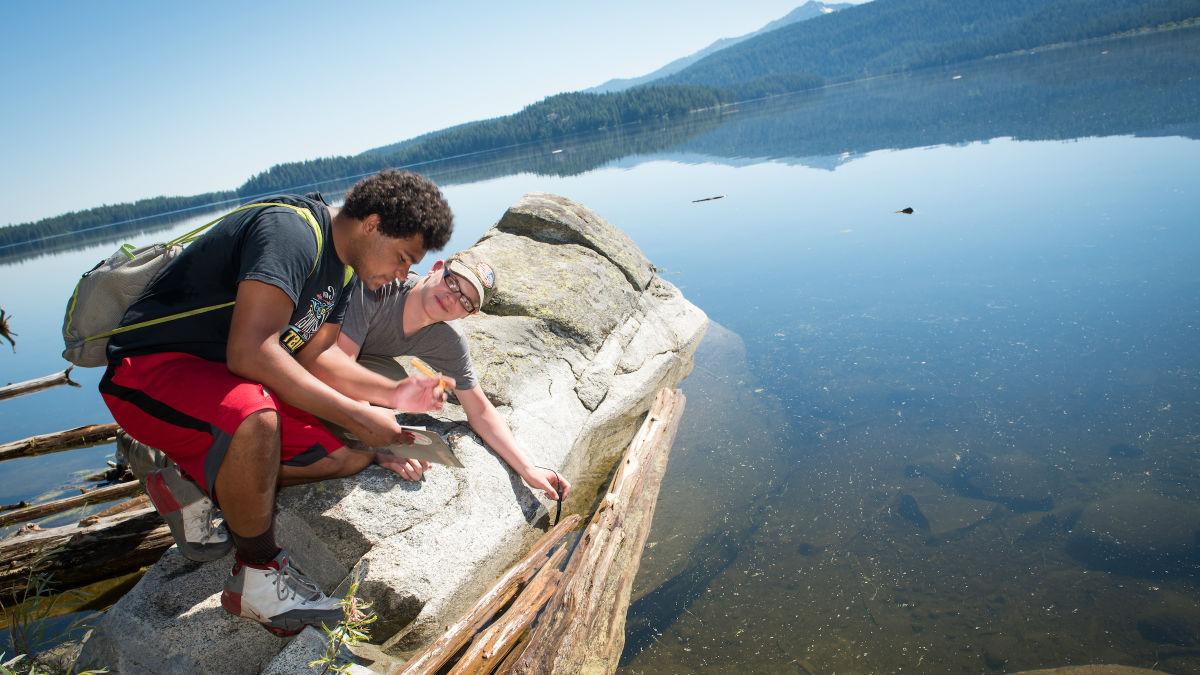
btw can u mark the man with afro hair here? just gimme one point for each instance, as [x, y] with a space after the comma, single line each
[233, 387]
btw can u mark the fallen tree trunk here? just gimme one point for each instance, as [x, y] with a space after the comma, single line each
[79, 437]
[492, 645]
[583, 628]
[137, 502]
[75, 556]
[96, 496]
[30, 386]
[431, 659]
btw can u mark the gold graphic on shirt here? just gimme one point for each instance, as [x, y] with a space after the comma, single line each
[291, 339]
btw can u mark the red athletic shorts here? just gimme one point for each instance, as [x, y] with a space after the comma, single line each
[189, 408]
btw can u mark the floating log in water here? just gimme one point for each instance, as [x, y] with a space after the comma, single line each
[496, 642]
[137, 502]
[30, 386]
[96, 496]
[583, 628]
[9, 507]
[75, 556]
[435, 655]
[79, 437]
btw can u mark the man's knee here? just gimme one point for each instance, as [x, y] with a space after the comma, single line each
[262, 424]
[259, 435]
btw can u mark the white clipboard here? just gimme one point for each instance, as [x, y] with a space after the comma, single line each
[427, 445]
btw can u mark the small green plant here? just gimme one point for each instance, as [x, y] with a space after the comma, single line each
[349, 632]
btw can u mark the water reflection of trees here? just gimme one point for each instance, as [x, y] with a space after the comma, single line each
[1143, 86]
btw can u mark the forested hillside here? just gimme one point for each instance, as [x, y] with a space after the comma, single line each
[557, 117]
[886, 36]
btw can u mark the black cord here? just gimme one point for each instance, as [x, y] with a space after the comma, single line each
[557, 492]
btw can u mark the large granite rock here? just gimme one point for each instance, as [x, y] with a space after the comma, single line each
[578, 339]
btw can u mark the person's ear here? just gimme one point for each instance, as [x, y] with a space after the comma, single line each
[371, 223]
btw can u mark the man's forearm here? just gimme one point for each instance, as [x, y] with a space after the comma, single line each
[287, 379]
[336, 369]
[494, 431]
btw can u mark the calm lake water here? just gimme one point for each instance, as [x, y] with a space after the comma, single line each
[962, 440]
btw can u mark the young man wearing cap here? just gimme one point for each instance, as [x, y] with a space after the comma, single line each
[234, 395]
[409, 318]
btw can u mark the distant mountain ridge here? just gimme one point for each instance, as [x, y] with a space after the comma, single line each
[809, 10]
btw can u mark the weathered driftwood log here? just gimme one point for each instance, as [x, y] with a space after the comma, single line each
[437, 653]
[515, 653]
[492, 645]
[583, 628]
[79, 437]
[96, 496]
[137, 502]
[76, 556]
[30, 386]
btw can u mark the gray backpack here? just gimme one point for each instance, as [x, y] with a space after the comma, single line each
[101, 297]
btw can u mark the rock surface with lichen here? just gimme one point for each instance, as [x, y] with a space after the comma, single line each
[578, 337]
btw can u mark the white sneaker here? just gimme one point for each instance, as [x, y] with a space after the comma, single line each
[279, 596]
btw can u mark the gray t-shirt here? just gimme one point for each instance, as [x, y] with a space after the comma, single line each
[374, 320]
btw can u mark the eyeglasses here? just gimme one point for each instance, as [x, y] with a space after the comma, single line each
[462, 297]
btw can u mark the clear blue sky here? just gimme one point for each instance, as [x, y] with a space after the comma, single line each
[111, 101]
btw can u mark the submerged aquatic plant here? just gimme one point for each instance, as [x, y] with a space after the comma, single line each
[27, 626]
[17, 664]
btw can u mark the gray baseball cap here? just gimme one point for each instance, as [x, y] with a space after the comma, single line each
[477, 271]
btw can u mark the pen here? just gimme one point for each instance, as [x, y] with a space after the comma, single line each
[425, 370]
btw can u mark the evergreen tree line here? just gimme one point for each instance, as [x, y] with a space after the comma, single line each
[556, 117]
[101, 223]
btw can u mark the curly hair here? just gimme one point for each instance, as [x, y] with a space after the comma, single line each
[406, 203]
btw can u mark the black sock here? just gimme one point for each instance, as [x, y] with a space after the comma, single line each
[256, 550]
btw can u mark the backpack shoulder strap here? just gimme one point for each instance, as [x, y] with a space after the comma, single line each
[191, 236]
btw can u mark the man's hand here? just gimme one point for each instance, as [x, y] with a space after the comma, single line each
[408, 469]
[420, 394]
[547, 481]
[377, 427]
